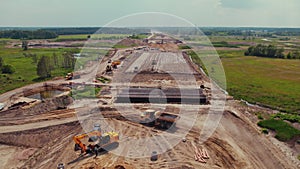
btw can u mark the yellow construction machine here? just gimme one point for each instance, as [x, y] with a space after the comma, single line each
[97, 141]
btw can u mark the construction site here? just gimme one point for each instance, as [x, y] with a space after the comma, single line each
[148, 108]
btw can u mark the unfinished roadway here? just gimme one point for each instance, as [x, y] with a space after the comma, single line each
[42, 139]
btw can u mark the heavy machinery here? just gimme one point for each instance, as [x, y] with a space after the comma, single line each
[2, 105]
[115, 63]
[112, 65]
[97, 139]
[158, 119]
[108, 68]
[71, 76]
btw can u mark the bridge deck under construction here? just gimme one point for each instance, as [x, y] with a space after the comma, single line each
[163, 96]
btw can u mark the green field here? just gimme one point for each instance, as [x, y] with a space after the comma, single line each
[25, 68]
[284, 131]
[86, 92]
[271, 82]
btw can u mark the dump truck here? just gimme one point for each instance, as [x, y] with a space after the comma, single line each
[96, 140]
[158, 119]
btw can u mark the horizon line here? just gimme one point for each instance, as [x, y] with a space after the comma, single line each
[295, 27]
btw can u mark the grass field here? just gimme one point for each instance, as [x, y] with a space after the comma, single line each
[87, 92]
[272, 82]
[120, 46]
[25, 68]
[284, 131]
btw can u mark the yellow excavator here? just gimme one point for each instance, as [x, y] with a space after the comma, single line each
[97, 139]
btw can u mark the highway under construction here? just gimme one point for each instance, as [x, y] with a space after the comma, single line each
[153, 105]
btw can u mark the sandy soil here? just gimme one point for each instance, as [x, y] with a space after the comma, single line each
[41, 136]
[237, 143]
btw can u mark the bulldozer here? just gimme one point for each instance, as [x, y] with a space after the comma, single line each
[97, 139]
[158, 119]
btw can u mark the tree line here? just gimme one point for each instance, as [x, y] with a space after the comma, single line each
[97, 30]
[270, 51]
[46, 64]
[24, 34]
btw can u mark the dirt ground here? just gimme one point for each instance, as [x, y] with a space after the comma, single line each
[41, 136]
[65, 44]
[236, 143]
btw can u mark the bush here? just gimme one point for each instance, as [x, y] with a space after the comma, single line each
[8, 69]
[184, 47]
[284, 131]
[259, 116]
[103, 80]
[289, 117]
[87, 92]
[224, 44]
[261, 50]
[265, 131]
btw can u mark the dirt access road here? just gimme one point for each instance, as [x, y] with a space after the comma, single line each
[236, 143]
[43, 141]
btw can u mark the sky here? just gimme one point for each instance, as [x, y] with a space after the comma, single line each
[45, 13]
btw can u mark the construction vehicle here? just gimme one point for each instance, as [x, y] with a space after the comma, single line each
[115, 63]
[112, 65]
[71, 76]
[60, 166]
[108, 68]
[2, 105]
[158, 119]
[97, 139]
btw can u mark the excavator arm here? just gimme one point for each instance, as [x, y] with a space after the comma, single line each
[79, 144]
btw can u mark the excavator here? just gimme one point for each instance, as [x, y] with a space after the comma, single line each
[99, 140]
[113, 65]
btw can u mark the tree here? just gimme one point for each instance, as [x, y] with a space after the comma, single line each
[43, 67]
[289, 55]
[34, 58]
[1, 62]
[270, 51]
[55, 60]
[279, 53]
[8, 69]
[249, 51]
[19, 34]
[24, 45]
[68, 60]
[296, 55]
